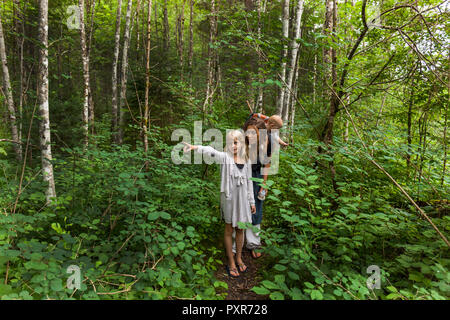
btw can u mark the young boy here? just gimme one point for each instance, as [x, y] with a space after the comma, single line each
[272, 122]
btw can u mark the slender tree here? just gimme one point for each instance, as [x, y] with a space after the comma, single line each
[260, 99]
[123, 75]
[285, 36]
[211, 68]
[180, 42]
[114, 106]
[294, 45]
[44, 127]
[9, 97]
[191, 39]
[87, 109]
[147, 80]
[166, 27]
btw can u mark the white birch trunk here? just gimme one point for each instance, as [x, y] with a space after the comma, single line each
[295, 45]
[44, 126]
[285, 35]
[147, 79]
[260, 99]
[211, 58]
[191, 39]
[9, 97]
[123, 76]
[85, 61]
[114, 108]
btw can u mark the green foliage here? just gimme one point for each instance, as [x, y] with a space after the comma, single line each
[317, 251]
[130, 231]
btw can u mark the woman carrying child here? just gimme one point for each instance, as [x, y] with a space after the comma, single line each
[237, 202]
[258, 145]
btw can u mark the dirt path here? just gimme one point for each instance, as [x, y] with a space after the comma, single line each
[240, 288]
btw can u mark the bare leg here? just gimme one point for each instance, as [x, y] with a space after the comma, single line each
[239, 245]
[228, 248]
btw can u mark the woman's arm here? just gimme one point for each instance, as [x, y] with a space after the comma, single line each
[260, 115]
[251, 198]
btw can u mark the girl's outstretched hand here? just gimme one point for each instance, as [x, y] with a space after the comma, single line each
[253, 208]
[188, 147]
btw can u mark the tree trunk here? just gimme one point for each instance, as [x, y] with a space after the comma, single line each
[114, 107]
[295, 45]
[211, 76]
[123, 76]
[20, 29]
[260, 99]
[180, 44]
[409, 138]
[87, 108]
[330, 56]
[9, 97]
[191, 40]
[147, 81]
[293, 100]
[138, 35]
[44, 126]
[166, 29]
[285, 36]
[445, 146]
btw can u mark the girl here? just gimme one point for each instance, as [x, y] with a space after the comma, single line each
[258, 149]
[236, 193]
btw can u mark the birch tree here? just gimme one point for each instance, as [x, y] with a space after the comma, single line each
[123, 76]
[285, 36]
[85, 61]
[9, 97]
[191, 39]
[114, 108]
[259, 100]
[211, 74]
[295, 45]
[44, 126]
[147, 80]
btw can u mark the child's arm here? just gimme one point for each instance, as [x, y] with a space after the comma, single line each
[282, 142]
[208, 150]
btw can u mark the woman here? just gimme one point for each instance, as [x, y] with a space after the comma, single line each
[259, 151]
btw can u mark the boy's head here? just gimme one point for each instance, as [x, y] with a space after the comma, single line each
[274, 122]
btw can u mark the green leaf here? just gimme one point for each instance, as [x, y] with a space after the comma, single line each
[269, 284]
[316, 295]
[276, 296]
[293, 276]
[279, 267]
[56, 285]
[260, 290]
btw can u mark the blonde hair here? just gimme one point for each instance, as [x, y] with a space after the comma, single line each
[276, 119]
[234, 135]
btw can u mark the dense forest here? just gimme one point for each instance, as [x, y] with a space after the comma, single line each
[92, 91]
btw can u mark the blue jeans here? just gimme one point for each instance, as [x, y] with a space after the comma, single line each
[257, 217]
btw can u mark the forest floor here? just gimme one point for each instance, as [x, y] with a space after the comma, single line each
[240, 288]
